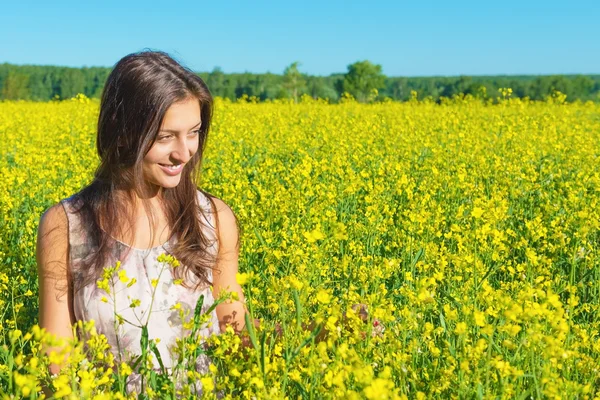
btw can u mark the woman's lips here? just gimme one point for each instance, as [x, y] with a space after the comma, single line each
[171, 170]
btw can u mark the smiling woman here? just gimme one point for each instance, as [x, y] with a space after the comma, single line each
[176, 144]
[154, 120]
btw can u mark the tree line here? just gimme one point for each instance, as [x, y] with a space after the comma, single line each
[363, 80]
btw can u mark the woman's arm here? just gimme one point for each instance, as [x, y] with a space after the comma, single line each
[224, 277]
[55, 299]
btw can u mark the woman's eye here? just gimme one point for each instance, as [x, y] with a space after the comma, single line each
[167, 137]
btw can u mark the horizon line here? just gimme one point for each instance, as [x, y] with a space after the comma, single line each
[336, 73]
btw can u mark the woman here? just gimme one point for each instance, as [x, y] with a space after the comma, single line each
[154, 120]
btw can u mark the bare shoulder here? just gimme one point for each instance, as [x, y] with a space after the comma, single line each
[54, 219]
[226, 224]
[218, 206]
[55, 213]
[223, 208]
[52, 240]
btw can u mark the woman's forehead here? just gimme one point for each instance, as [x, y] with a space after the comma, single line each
[182, 116]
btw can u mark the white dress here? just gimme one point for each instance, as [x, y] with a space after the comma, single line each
[141, 264]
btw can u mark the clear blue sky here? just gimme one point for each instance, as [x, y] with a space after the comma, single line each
[413, 38]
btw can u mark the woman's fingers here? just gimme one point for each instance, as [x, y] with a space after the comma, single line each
[378, 328]
[361, 310]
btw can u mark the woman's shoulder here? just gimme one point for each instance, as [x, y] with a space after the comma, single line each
[226, 222]
[52, 238]
[58, 213]
[54, 217]
[212, 203]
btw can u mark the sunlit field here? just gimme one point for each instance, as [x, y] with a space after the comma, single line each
[470, 230]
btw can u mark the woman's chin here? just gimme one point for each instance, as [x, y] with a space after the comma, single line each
[170, 184]
[167, 183]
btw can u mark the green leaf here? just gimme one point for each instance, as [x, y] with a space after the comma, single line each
[213, 306]
[417, 257]
[443, 321]
[306, 341]
[198, 312]
[298, 309]
[158, 357]
[251, 332]
[263, 338]
[144, 339]
[136, 362]
[153, 384]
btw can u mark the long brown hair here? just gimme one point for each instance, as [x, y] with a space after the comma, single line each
[136, 96]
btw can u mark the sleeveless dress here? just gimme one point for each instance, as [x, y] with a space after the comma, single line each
[164, 322]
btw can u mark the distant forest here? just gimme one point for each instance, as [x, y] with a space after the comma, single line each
[42, 83]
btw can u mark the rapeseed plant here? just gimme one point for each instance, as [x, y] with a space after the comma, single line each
[469, 230]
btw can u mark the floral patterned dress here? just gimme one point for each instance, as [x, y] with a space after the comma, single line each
[164, 322]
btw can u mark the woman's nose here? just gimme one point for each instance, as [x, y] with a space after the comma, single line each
[181, 152]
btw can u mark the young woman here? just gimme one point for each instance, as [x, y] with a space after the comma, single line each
[154, 120]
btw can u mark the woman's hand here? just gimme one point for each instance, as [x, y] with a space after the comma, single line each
[362, 311]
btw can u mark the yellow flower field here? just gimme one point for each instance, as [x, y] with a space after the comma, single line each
[470, 230]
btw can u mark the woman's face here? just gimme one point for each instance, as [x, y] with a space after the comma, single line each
[175, 145]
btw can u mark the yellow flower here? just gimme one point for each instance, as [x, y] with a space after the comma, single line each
[103, 284]
[340, 232]
[461, 328]
[14, 335]
[135, 303]
[313, 235]
[295, 282]
[242, 278]
[477, 212]
[384, 189]
[62, 386]
[169, 259]
[207, 384]
[323, 296]
[123, 276]
[125, 369]
[479, 318]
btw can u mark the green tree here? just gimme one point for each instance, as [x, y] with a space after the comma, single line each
[16, 86]
[362, 77]
[396, 88]
[72, 82]
[215, 81]
[293, 81]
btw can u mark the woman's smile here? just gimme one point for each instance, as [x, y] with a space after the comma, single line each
[170, 169]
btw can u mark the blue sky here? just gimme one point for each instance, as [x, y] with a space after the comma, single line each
[422, 38]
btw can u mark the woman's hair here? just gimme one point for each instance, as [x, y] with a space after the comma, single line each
[136, 96]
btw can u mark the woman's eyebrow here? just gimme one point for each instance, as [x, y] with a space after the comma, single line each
[176, 131]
